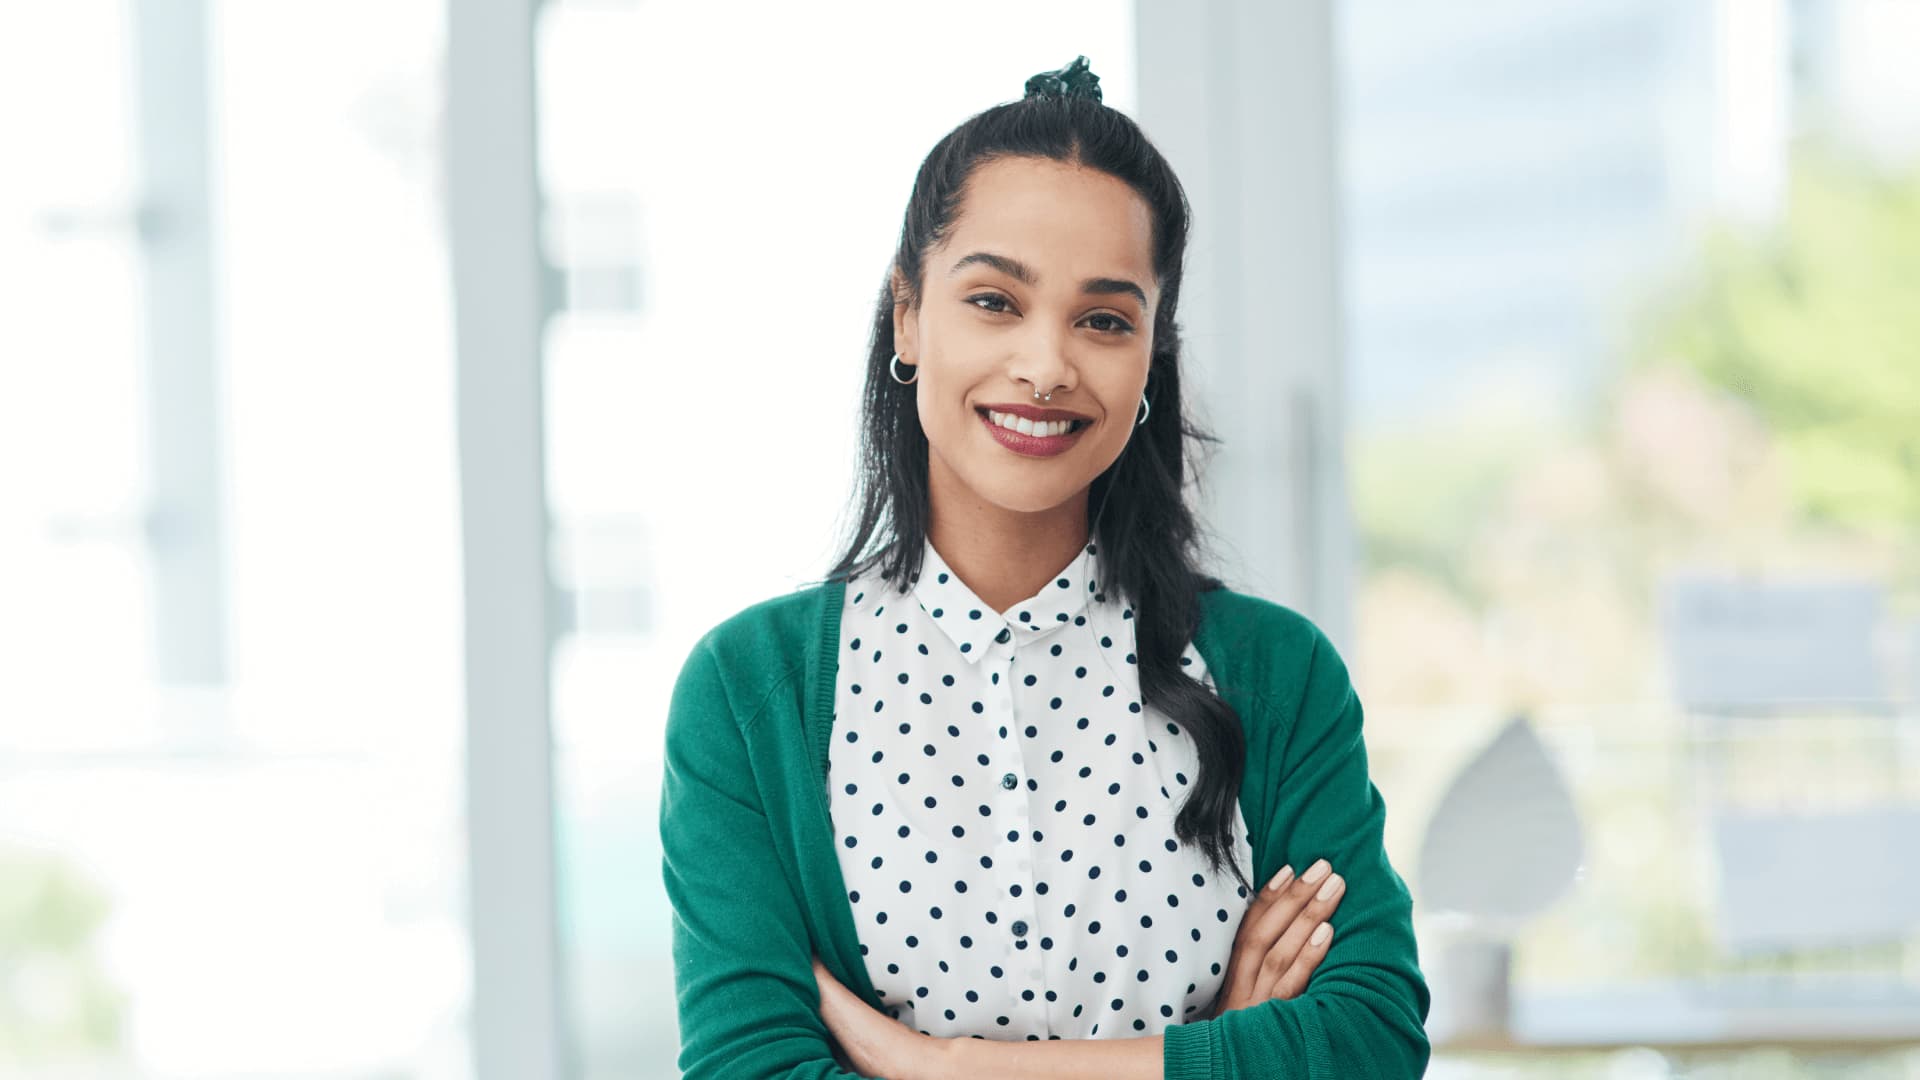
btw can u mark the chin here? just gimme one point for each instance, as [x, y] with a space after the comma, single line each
[1027, 498]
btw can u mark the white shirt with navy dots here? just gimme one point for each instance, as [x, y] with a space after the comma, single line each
[1003, 811]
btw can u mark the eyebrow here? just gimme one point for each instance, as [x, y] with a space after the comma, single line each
[1019, 271]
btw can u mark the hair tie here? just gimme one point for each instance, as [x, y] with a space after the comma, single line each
[1074, 80]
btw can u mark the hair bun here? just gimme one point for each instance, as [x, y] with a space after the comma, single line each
[1074, 80]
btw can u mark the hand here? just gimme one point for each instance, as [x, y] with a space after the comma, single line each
[1274, 953]
[873, 1043]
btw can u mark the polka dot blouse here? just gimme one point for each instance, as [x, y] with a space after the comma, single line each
[1003, 808]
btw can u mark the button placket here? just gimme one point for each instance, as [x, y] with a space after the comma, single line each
[991, 643]
[1022, 941]
[1012, 756]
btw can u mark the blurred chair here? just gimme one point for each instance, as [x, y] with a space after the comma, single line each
[1785, 699]
[1803, 769]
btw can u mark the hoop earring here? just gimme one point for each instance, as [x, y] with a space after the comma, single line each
[895, 372]
[1146, 410]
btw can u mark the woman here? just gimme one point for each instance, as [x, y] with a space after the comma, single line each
[979, 803]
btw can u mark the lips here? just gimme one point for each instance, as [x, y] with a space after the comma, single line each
[1031, 445]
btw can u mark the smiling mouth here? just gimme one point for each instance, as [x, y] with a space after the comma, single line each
[1074, 428]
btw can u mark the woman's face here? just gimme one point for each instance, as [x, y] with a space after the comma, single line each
[1045, 281]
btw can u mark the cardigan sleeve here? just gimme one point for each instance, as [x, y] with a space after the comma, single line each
[742, 959]
[1364, 1011]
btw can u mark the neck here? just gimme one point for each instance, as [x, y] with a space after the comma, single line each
[1006, 556]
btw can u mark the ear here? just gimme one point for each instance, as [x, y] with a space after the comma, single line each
[906, 328]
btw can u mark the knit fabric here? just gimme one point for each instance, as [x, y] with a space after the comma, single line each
[754, 874]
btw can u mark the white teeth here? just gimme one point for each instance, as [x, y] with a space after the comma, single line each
[1029, 427]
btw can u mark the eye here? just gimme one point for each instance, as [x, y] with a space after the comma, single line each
[1116, 325]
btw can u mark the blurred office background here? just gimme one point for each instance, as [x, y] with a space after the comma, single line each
[391, 393]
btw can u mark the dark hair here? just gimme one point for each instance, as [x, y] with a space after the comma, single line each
[1147, 549]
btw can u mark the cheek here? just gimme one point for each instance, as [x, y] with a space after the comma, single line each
[1112, 440]
[937, 404]
[944, 399]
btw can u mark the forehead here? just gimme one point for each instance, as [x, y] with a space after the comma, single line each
[1065, 221]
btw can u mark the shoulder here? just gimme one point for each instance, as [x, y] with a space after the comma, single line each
[773, 625]
[764, 643]
[1264, 647]
[1240, 614]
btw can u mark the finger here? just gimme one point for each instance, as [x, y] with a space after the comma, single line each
[1260, 931]
[1318, 909]
[1243, 934]
[1294, 982]
[1257, 932]
[1301, 895]
[1263, 898]
[1272, 888]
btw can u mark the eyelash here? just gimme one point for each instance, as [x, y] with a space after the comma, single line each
[1125, 327]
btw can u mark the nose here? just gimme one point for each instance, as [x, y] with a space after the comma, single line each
[1046, 362]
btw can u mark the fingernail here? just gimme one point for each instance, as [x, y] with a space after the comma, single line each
[1320, 933]
[1317, 871]
[1327, 890]
[1281, 878]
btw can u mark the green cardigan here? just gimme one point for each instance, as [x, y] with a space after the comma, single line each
[756, 890]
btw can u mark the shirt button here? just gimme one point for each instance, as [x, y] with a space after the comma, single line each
[1008, 781]
[1019, 928]
[1002, 636]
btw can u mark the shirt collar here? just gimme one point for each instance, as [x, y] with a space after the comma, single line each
[976, 629]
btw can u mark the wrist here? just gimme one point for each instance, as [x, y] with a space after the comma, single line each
[935, 1058]
[897, 1053]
